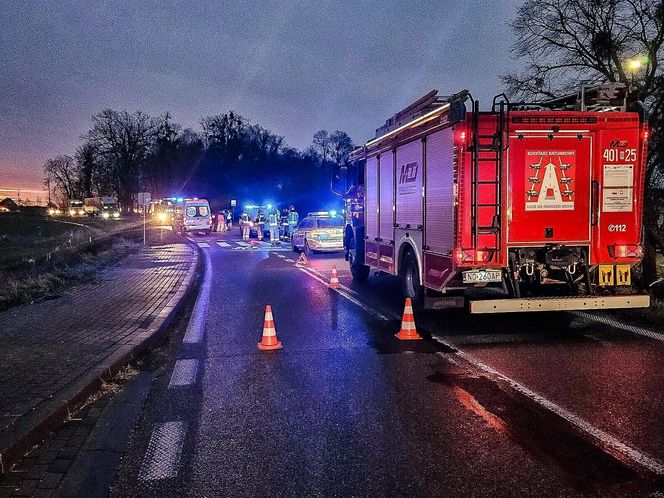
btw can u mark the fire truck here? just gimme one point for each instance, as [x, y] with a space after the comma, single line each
[529, 206]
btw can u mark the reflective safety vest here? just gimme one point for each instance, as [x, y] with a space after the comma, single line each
[293, 217]
[273, 219]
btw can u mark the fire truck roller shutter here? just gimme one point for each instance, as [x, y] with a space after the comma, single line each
[386, 196]
[409, 172]
[439, 195]
[371, 211]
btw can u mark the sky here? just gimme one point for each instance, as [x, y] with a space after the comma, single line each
[293, 67]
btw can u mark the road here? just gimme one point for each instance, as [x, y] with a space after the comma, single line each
[501, 405]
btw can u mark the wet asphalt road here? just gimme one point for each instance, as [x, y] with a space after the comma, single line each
[346, 409]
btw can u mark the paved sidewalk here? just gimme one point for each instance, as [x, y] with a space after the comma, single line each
[52, 351]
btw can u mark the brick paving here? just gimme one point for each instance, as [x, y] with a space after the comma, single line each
[41, 471]
[47, 347]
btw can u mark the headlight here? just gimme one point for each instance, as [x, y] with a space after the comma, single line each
[72, 212]
[162, 216]
[116, 215]
[105, 215]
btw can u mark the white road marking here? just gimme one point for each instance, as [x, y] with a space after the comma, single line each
[619, 325]
[162, 457]
[204, 245]
[346, 295]
[605, 440]
[196, 327]
[184, 373]
[290, 260]
[223, 244]
[280, 256]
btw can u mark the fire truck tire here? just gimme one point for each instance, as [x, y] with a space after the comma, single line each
[360, 273]
[410, 279]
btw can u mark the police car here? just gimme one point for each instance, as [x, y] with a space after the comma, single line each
[321, 231]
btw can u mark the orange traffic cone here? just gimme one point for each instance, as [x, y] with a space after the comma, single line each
[408, 331]
[302, 260]
[334, 279]
[269, 340]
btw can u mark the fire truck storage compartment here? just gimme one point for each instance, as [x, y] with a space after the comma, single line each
[371, 211]
[386, 212]
[409, 185]
[439, 192]
[549, 188]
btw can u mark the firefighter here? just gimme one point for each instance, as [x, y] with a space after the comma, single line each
[220, 222]
[273, 224]
[229, 220]
[260, 224]
[293, 219]
[245, 224]
[283, 222]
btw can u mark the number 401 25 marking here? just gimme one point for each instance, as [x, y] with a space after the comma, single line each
[613, 155]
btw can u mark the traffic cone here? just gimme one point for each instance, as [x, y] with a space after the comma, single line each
[408, 331]
[302, 260]
[334, 279]
[269, 340]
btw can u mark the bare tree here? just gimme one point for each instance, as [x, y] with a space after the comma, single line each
[341, 146]
[322, 146]
[123, 140]
[86, 167]
[61, 174]
[567, 42]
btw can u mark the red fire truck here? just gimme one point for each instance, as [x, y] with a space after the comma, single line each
[526, 207]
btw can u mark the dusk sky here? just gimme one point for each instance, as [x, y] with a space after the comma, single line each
[293, 67]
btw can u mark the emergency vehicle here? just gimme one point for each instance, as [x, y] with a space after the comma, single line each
[541, 202]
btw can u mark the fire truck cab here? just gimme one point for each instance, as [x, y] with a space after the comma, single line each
[540, 203]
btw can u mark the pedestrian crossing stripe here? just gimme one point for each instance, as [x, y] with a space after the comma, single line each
[203, 244]
[223, 244]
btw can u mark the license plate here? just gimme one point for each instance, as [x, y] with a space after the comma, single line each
[470, 277]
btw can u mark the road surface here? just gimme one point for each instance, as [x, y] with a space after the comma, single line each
[529, 405]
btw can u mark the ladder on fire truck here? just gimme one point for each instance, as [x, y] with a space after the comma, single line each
[487, 155]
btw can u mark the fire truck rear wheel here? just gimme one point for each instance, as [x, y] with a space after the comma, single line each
[410, 279]
[360, 272]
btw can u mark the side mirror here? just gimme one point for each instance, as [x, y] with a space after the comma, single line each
[339, 180]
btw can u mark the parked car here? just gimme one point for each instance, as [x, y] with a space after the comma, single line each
[320, 231]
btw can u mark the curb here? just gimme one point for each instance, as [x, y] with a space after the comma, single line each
[32, 429]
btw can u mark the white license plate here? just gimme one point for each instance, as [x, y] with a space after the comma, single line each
[470, 277]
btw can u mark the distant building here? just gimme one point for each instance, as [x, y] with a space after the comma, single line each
[8, 205]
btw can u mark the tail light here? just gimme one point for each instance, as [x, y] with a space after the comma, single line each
[472, 256]
[626, 251]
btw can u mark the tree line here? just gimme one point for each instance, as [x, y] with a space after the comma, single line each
[125, 153]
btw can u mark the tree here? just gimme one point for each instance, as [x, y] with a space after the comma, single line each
[341, 146]
[569, 42]
[322, 146]
[86, 167]
[61, 175]
[124, 141]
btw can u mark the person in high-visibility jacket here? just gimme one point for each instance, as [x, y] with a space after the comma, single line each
[229, 219]
[260, 224]
[293, 220]
[273, 224]
[245, 224]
